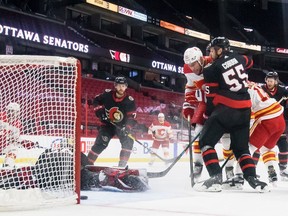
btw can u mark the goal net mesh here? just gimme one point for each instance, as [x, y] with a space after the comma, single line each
[38, 131]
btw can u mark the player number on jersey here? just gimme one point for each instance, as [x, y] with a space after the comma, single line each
[232, 77]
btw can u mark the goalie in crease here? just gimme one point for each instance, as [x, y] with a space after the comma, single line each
[112, 179]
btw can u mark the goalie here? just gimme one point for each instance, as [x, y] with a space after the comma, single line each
[54, 168]
[112, 179]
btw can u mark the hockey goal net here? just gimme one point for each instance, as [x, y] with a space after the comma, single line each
[39, 131]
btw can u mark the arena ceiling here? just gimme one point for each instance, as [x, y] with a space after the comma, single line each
[263, 22]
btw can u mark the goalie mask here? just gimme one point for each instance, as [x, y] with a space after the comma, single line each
[13, 107]
[13, 110]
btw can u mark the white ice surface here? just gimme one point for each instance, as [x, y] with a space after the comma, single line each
[173, 195]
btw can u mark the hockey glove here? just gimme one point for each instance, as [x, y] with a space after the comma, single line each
[100, 113]
[187, 110]
[125, 131]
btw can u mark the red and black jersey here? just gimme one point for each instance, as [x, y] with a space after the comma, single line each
[278, 92]
[120, 111]
[226, 82]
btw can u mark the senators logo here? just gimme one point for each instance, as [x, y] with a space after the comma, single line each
[115, 115]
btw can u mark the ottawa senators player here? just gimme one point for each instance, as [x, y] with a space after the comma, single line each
[195, 105]
[117, 107]
[277, 91]
[161, 134]
[112, 179]
[228, 111]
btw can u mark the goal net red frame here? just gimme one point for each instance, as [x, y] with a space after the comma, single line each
[40, 118]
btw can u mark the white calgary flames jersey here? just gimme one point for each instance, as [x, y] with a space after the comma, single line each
[160, 131]
[263, 106]
[193, 89]
[9, 132]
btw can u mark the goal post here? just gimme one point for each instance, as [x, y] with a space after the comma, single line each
[40, 118]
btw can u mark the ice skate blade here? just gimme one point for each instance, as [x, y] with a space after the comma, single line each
[266, 189]
[235, 187]
[213, 188]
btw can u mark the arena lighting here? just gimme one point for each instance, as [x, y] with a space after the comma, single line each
[248, 29]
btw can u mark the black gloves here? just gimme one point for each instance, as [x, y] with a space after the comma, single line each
[125, 131]
[100, 113]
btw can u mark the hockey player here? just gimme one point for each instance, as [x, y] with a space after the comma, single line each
[277, 91]
[53, 169]
[228, 111]
[161, 133]
[267, 129]
[195, 105]
[10, 129]
[268, 126]
[117, 107]
[112, 179]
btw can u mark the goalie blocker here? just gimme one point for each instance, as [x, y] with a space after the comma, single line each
[110, 178]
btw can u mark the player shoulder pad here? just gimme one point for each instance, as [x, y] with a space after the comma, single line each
[130, 98]
[108, 90]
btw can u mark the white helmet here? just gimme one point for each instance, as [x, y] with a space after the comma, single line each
[192, 55]
[13, 107]
[161, 115]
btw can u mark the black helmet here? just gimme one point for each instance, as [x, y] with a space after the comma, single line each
[208, 49]
[121, 80]
[272, 74]
[221, 42]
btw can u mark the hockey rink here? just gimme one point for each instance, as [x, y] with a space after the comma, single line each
[173, 195]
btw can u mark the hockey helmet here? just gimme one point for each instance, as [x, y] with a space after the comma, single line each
[221, 42]
[161, 115]
[120, 80]
[208, 48]
[192, 55]
[13, 107]
[272, 74]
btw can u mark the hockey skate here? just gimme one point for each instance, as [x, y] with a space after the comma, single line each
[259, 186]
[283, 172]
[234, 183]
[212, 184]
[272, 175]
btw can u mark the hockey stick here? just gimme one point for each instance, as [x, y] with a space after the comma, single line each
[190, 153]
[144, 146]
[164, 172]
